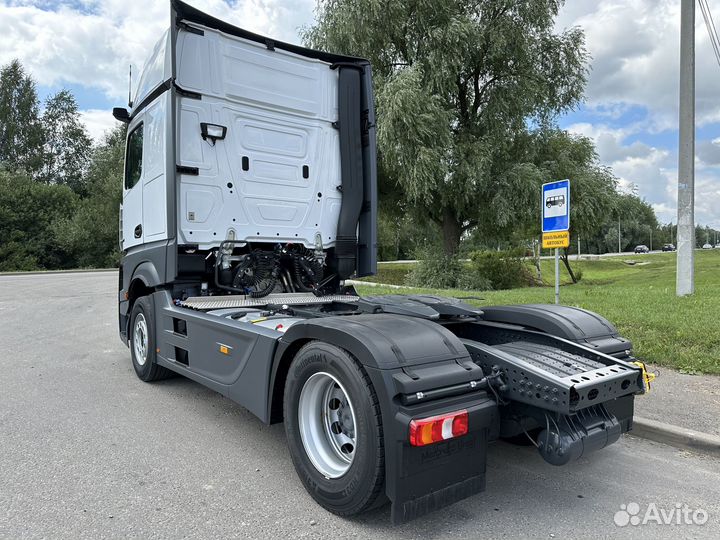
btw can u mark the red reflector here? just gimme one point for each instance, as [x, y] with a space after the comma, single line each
[438, 428]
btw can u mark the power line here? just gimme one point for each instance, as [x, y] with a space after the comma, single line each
[710, 25]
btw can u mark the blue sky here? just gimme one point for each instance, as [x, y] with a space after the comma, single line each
[631, 99]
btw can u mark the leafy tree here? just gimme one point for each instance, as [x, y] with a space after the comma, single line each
[67, 145]
[21, 134]
[28, 211]
[556, 154]
[667, 234]
[636, 218]
[704, 234]
[457, 83]
[90, 235]
[593, 187]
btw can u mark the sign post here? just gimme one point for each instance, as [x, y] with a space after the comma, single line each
[556, 222]
[557, 275]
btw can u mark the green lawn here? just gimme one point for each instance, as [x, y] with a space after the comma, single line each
[683, 333]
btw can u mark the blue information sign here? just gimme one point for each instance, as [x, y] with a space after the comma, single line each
[556, 206]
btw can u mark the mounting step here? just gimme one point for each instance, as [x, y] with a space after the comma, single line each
[280, 299]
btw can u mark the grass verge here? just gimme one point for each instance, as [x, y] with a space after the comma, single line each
[639, 298]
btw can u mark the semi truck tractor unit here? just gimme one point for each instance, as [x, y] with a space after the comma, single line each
[249, 200]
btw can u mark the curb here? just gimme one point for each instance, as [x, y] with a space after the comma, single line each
[676, 436]
[47, 272]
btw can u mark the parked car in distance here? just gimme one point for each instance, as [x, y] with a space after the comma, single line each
[707, 246]
[642, 249]
[668, 247]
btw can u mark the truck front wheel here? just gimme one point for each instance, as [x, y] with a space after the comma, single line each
[334, 429]
[142, 342]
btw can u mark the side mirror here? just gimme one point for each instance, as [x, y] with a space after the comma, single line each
[121, 114]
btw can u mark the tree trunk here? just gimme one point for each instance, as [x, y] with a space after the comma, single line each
[566, 261]
[536, 260]
[451, 230]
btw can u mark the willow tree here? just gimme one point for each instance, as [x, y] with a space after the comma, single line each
[458, 85]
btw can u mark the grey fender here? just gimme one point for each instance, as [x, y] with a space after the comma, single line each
[147, 273]
[141, 281]
[383, 341]
[380, 342]
[574, 324]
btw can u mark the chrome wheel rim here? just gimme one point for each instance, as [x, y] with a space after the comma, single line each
[327, 425]
[140, 339]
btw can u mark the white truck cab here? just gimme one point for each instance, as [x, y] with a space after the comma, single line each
[235, 137]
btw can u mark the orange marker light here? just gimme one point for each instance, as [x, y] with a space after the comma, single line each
[224, 349]
[438, 428]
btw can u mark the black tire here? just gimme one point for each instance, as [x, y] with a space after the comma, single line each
[146, 368]
[361, 487]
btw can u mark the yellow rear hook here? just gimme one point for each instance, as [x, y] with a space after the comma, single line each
[646, 375]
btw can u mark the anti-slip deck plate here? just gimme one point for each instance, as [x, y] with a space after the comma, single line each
[241, 301]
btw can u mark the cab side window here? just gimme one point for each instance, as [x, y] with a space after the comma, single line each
[134, 157]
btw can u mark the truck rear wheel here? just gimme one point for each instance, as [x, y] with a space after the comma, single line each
[142, 342]
[334, 429]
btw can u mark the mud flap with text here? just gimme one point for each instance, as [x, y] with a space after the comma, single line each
[431, 477]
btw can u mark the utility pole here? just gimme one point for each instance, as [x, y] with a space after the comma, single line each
[619, 250]
[685, 281]
[671, 233]
[578, 257]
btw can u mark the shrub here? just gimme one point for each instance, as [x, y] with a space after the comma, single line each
[391, 274]
[473, 281]
[28, 210]
[435, 270]
[499, 269]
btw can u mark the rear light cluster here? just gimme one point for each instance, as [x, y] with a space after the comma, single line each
[438, 428]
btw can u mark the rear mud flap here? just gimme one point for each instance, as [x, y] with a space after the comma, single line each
[431, 477]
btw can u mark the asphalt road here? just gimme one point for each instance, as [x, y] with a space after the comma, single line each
[89, 451]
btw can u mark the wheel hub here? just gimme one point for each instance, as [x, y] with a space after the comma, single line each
[140, 339]
[326, 419]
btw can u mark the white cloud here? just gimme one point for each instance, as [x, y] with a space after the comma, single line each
[654, 170]
[98, 122]
[635, 56]
[93, 46]
[93, 42]
[635, 63]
